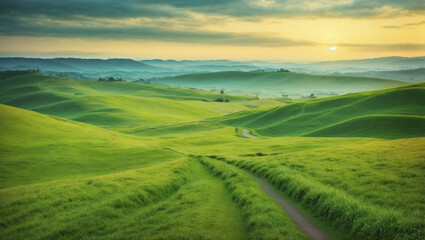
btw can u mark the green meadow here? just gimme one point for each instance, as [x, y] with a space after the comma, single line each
[278, 83]
[84, 159]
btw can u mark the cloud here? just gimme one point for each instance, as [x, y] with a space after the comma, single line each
[231, 8]
[51, 54]
[95, 30]
[387, 47]
[183, 20]
[404, 25]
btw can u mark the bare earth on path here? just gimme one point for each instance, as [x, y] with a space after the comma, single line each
[306, 226]
[245, 133]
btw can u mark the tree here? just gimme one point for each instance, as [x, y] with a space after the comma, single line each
[222, 92]
[282, 70]
[312, 95]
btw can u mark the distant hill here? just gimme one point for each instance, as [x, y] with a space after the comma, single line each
[74, 64]
[125, 68]
[111, 104]
[390, 113]
[362, 65]
[133, 70]
[105, 65]
[279, 82]
[410, 75]
[202, 65]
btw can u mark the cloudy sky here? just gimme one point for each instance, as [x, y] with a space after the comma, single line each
[295, 30]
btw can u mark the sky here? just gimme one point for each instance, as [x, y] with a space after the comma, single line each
[284, 30]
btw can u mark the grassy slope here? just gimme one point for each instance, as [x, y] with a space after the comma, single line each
[265, 218]
[146, 193]
[38, 148]
[292, 120]
[111, 104]
[283, 82]
[173, 200]
[380, 179]
[354, 159]
[384, 126]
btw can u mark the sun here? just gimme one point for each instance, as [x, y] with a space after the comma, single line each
[332, 48]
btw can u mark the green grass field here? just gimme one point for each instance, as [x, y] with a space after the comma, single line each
[97, 160]
[390, 113]
[112, 104]
[273, 83]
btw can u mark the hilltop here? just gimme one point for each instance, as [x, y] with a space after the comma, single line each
[279, 82]
[134, 69]
[389, 113]
[410, 75]
[112, 104]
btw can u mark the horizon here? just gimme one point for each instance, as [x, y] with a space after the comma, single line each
[223, 59]
[239, 30]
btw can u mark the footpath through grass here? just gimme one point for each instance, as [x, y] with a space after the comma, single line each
[375, 196]
[366, 188]
[265, 218]
[174, 200]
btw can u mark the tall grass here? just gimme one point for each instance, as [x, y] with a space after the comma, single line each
[265, 218]
[86, 208]
[358, 219]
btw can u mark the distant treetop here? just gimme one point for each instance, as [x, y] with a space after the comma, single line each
[283, 70]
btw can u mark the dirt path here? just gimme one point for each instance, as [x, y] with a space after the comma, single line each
[306, 226]
[302, 110]
[245, 133]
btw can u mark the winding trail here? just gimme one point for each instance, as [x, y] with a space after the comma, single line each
[245, 133]
[312, 231]
[306, 226]
[302, 110]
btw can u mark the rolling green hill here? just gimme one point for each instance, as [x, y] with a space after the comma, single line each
[302, 118]
[119, 160]
[380, 126]
[279, 82]
[112, 104]
[38, 148]
[62, 179]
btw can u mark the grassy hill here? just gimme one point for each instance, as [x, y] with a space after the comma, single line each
[38, 148]
[74, 64]
[302, 118]
[119, 160]
[278, 82]
[379, 126]
[112, 104]
[62, 179]
[409, 75]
